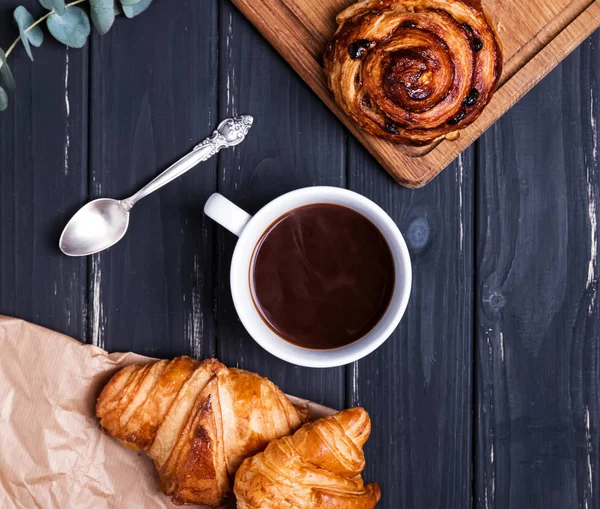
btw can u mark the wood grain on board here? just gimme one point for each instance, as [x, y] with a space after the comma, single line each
[536, 35]
[417, 386]
[152, 292]
[43, 180]
[538, 308]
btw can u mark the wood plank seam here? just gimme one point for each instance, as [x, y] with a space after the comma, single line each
[274, 159]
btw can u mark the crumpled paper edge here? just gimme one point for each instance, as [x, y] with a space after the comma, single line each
[52, 450]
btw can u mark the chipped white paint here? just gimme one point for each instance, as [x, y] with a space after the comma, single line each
[502, 346]
[195, 319]
[55, 288]
[68, 110]
[97, 185]
[485, 498]
[97, 310]
[493, 475]
[488, 340]
[490, 474]
[355, 398]
[461, 176]
[67, 144]
[230, 82]
[594, 128]
[67, 105]
[592, 276]
[590, 487]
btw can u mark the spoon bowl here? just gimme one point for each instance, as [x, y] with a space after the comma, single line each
[102, 223]
[97, 226]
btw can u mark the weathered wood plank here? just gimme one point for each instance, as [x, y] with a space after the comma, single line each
[153, 97]
[294, 143]
[538, 316]
[417, 386]
[43, 179]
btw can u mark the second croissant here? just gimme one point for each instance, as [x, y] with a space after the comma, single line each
[318, 467]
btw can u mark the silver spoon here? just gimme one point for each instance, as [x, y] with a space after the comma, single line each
[102, 223]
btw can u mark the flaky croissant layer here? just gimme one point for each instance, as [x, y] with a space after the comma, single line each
[414, 71]
[196, 420]
[318, 467]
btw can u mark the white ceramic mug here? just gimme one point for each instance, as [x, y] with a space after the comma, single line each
[250, 229]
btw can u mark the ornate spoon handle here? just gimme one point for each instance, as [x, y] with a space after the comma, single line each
[229, 133]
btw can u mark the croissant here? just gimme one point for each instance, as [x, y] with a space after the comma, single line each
[318, 467]
[196, 420]
[414, 71]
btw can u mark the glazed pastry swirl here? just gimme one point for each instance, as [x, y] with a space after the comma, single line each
[413, 71]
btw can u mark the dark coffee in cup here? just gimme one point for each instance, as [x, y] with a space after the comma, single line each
[322, 276]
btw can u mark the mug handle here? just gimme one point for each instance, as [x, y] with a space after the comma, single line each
[226, 213]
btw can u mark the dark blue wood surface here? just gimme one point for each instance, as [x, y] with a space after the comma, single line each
[487, 395]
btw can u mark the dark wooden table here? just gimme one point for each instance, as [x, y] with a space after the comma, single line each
[487, 395]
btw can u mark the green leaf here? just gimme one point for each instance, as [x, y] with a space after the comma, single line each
[57, 5]
[72, 29]
[3, 100]
[130, 2]
[24, 20]
[133, 10]
[36, 36]
[5, 73]
[21, 17]
[103, 14]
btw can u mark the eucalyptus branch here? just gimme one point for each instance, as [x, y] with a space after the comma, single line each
[67, 23]
[12, 46]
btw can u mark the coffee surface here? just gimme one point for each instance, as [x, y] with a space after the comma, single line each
[322, 276]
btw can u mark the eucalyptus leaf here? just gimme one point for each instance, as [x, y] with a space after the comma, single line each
[3, 100]
[72, 29]
[130, 2]
[21, 16]
[24, 20]
[36, 36]
[133, 10]
[103, 14]
[57, 5]
[5, 73]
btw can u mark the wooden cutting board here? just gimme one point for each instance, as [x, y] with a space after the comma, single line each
[536, 35]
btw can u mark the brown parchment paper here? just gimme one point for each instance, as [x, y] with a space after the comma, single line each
[52, 451]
